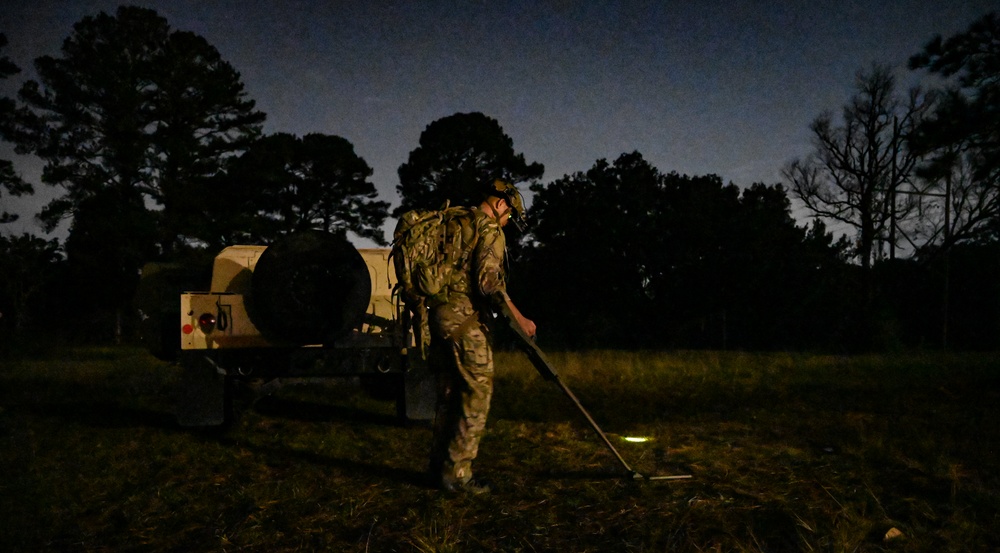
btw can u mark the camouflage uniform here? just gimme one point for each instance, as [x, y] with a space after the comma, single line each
[461, 355]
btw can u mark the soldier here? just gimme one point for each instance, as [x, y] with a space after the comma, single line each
[461, 356]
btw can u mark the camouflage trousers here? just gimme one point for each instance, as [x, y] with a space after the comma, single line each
[463, 368]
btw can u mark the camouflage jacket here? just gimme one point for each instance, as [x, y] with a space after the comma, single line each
[484, 275]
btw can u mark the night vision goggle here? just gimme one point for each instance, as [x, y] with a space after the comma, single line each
[515, 202]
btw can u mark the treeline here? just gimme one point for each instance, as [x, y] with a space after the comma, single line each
[160, 156]
[625, 256]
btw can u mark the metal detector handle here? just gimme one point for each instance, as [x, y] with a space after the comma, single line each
[528, 345]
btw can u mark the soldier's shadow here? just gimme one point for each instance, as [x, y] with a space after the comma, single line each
[362, 469]
[299, 410]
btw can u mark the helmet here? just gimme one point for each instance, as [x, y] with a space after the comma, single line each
[512, 195]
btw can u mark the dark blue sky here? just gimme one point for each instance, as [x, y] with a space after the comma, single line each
[698, 87]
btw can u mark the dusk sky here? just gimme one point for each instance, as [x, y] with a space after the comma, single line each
[714, 87]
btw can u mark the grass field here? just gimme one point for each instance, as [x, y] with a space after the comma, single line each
[787, 452]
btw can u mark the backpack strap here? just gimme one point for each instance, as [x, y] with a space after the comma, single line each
[467, 249]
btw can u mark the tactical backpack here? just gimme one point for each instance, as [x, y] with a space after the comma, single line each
[427, 250]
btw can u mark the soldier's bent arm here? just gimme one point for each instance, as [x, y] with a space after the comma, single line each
[489, 258]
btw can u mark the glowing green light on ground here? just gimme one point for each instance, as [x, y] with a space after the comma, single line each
[636, 439]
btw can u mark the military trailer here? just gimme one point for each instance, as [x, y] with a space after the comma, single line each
[309, 306]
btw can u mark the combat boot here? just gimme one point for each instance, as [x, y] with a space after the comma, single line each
[471, 485]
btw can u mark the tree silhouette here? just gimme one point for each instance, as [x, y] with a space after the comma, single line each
[110, 238]
[858, 169]
[10, 181]
[600, 226]
[962, 137]
[780, 274]
[457, 156]
[204, 119]
[26, 264]
[284, 184]
[131, 117]
[625, 256]
[131, 105]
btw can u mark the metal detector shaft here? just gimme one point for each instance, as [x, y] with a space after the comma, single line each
[537, 358]
[545, 369]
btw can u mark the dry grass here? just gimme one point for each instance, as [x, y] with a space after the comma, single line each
[788, 452]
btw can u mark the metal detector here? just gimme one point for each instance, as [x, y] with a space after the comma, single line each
[537, 358]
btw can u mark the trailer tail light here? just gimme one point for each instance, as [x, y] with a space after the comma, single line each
[207, 322]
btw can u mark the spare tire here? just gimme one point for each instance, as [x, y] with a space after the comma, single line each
[309, 288]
